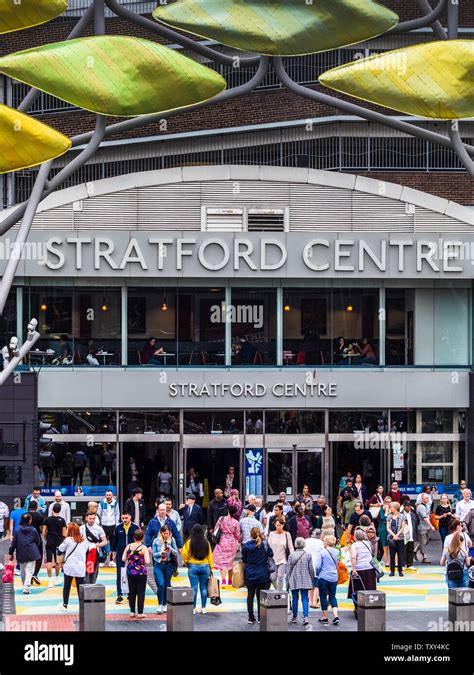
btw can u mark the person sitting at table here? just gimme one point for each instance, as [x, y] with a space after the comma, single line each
[150, 353]
[246, 351]
[91, 357]
[367, 354]
[340, 349]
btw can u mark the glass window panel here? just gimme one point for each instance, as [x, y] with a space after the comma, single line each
[152, 314]
[436, 453]
[451, 326]
[213, 422]
[149, 422]
[309, 471]
[307, 337]
[253, 321]
[8, 320]
[201, 326]
[254, 421]
[437, 421]
[294, 422]
[396, 347]
[280, 473]
[437, 474]
[347, 421]
[403, 421]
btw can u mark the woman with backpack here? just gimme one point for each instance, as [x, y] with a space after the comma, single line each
[300, 575]
[456, 556]
[256, 555]
[137, 557]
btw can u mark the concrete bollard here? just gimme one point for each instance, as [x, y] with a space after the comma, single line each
[371, 614]
[461, 609]
[273, 611]
[180, 615]
[91, 608]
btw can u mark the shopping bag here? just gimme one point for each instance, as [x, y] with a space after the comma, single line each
[124, 581]
[238, 575]
[214, 591]
[434, 521]
[8, 574]
[342, 573]
[343, 541]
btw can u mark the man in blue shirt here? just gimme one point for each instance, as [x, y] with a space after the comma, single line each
[36, 497]
[161, 518]
[15, 517]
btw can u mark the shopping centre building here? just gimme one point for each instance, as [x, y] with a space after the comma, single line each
[247, 242]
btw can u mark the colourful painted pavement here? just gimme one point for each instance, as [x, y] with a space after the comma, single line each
[424, 589]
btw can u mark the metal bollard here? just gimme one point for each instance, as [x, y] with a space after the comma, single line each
[371, 615]
[461, 609]
[91, 607]
[273, 611]
[180, 603]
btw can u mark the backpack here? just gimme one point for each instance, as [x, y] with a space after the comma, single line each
[79, 459]
[455, 570]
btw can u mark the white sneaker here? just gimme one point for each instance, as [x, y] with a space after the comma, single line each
[26, 591]
[196, 611]
[58, 581]
[113, 563]
[164, 608]
[203, 610]
[411, 568]
[159, 610]
[50, 583]
[101, 564]
[17, 572]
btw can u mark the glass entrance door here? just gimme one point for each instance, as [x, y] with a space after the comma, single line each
[289, 470]
[144, 465]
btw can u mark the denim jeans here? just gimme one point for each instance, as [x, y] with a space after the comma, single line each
[304, 600]
[464, 583]
[163, 573]
[199, 578]
[443, 533]
[327, 588]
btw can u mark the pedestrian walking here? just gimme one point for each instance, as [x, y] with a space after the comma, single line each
[123, 536]
[314, 546]
[300, 575]
[281, 544]
[225, 551]
[95, 535]
[424, 528]
[136, 557]
[191, 513]
[75, 549]
[54, 532]
[109, 514]
[396, 525]
[443, 514]
[363, 574]
[382, 531]
[165, 562]
[409, 534]
[27, 546]
[327, 575]
[456, 556]
[197, 556]
[255, 556]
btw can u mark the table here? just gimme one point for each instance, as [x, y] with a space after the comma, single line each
[104, 355]
[349, 357]
[289, 355]
[43, 354]
[165, 354]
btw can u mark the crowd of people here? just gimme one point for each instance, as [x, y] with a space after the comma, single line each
[305, 547]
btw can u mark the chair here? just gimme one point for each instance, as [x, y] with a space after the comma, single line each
[257, 359]
[301, 358]
[287, 358]
[77, 358]
[323, 359]
[203, 358]
[139, 357]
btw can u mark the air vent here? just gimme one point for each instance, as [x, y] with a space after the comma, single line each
[266, 220]
[224, 220]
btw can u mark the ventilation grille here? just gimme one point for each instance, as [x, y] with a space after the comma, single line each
[266, 220]
[224, 220]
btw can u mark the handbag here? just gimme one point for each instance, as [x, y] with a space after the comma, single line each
[271, 566]
[214, 591]
[238, 575]
[101, 553]
[342, 571]
[375, 562]
[217, 534]
[64, 557]
[287, 548]
[8, 574]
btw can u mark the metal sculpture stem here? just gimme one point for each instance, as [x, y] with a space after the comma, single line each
[25, 348]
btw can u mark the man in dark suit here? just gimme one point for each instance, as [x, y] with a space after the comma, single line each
[191, 514]
[135, 507]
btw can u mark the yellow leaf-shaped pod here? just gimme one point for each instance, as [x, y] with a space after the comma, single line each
[26, 142]
[434, 79]
[280, 27]
[19, 14]
[115, 75]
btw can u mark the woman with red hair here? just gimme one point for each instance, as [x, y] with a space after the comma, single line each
[75, 549]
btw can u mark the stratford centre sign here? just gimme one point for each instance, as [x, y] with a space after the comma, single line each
[252, 390]
[189, 255]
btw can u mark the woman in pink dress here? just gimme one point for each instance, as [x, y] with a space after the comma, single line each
[235, 501]
[224, 552]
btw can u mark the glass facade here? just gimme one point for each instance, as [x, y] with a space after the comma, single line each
[253, 327]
